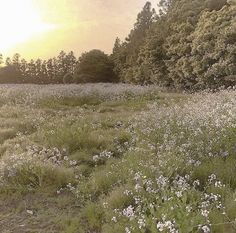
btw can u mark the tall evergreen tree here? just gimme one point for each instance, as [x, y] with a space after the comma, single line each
[1, 59]
[126, 54]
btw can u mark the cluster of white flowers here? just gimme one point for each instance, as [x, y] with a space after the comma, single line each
[162, 182]
[208, 201]
[184, 127]
[181, 184]
[31, 94]
[205, 229]
[103, 155]
[212, 178]
[141, 223]
[33, 155]
[127, 230]
[166, 225]
[129, 212]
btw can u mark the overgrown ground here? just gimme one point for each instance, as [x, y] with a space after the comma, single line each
[116, 159]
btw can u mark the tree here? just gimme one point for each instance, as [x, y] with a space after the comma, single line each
[182, 19]
[31, 72]
[70, 66]
[23, 70]
[164, 6]
[16, 60]
[160, 49]
[44, 79]
[125, 54]
[64, 65]
[214, 48]
[118, 57]
[8, 61]
[10, 74]
[1, 59]
[231, 2]
[94, 66]
[151, 64]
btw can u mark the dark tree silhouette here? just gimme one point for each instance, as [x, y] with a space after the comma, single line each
[94, 66]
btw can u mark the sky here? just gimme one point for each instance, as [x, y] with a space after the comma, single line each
[42, 28]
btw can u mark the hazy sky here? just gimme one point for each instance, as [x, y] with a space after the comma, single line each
[77, 25]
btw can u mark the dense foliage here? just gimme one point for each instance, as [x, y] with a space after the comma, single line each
[93, 66]
[189, 44]
[18, 70]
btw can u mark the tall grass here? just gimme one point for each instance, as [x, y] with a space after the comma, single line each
[131, 160]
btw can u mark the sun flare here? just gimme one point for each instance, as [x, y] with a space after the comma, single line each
[20, 21]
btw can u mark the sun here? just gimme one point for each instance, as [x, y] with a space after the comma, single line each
[20, 22]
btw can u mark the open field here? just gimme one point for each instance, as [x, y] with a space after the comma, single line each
[116, 159]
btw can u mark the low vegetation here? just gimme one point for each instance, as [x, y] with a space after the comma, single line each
[116, 158]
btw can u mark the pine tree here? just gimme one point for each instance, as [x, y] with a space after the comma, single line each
[125, 55]
[1, 59]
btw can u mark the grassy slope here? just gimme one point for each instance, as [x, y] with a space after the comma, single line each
[138, 163]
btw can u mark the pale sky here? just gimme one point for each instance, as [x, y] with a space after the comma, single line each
[41, 28]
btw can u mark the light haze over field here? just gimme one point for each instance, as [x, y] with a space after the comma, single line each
[41, 28]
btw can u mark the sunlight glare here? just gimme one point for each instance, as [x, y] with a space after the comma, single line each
[20, 21]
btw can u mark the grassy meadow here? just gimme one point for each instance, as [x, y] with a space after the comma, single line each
[113, 158]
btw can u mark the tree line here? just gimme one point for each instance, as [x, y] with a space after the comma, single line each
[188, 44]
[93, 66]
